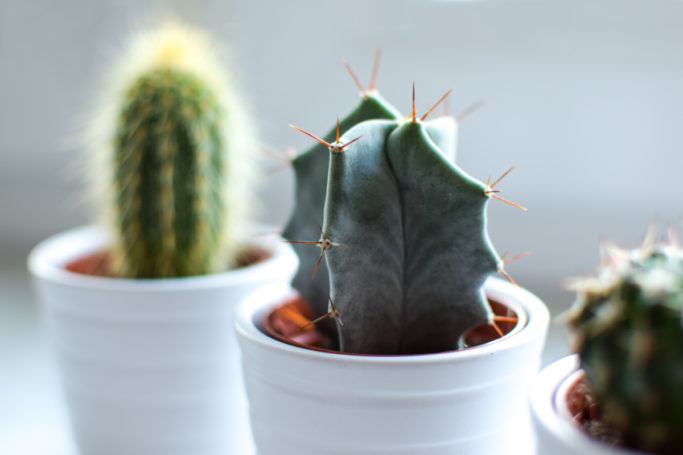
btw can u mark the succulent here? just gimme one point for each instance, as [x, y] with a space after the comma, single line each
[403, 234]
[176, 158]
[628, 331]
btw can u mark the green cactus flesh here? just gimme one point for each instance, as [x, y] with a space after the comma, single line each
[408, 278]
[168, 176]
[628, 329]
[310, 169]
[443, 131]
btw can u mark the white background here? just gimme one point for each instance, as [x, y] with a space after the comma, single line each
[584, 97]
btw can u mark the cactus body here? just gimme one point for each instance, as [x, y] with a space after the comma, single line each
[416, 254]
[310, 169]
[168, 172]
[628, 329]
[178, 197]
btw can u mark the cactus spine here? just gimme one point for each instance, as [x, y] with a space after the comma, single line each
[179, 152]
[628, 331]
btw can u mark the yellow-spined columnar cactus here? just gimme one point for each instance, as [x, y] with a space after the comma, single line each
[175, 153]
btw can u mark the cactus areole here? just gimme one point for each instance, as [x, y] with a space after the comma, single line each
[401, 229]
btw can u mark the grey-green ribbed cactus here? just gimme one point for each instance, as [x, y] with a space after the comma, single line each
[178, 198]
[628, 331]
[403, 234]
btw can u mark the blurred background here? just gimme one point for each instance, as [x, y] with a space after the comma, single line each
[585, 98]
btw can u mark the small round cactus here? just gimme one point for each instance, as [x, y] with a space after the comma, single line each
[628, 331]
[175, 151]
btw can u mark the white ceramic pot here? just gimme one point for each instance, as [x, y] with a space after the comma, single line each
[150, 366]
[473, 401]
[555, 433]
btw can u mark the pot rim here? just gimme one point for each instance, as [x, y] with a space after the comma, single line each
[250, 310]
[48, 258]
[552, 381]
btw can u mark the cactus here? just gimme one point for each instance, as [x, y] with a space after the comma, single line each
[404, 239]
[628, 331]
[178, 151]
